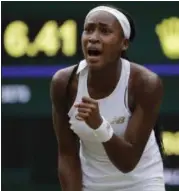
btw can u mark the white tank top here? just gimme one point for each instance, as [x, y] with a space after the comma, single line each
[99, 174]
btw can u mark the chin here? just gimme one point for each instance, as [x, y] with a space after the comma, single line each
[94, 64]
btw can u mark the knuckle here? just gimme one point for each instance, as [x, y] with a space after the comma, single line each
[93, 107]
[90, 110]
[87, 115]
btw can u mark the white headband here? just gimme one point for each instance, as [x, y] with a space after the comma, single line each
[122, 19]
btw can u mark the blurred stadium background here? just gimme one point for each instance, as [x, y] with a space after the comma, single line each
[39, 38]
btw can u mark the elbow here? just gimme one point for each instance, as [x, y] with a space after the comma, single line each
[129, 164]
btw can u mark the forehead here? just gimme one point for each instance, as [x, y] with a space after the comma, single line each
[102, 17]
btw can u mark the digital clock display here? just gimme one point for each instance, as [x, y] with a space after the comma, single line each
[51, 38]
[41, 42]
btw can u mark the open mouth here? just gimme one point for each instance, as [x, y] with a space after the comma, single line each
[94, 52]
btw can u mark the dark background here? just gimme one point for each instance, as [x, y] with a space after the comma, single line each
[29, 149]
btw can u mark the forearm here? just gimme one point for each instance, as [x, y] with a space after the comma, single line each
[121, 154]
[70, 174]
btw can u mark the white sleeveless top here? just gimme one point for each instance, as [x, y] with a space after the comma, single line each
[99, 174]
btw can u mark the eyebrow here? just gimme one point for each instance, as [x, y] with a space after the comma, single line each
[100, 23]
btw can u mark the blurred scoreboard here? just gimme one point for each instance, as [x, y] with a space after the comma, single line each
[40, 38]
[49, 32]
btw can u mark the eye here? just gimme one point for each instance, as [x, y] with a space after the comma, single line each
[88, 29]
[105, 30]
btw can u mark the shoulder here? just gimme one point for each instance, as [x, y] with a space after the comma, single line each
[142, 76]
[62, 76]
[59, 82]
[146, 85]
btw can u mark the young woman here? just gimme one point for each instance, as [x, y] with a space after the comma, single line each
[104, 112]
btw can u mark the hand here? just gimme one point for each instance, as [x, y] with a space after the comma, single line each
[88, 111]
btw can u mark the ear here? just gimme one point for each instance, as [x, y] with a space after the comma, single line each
[125, 44]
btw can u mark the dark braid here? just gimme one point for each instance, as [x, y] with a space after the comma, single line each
[158, 135]
[68, 86]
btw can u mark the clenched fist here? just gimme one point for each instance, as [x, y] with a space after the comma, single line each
[88, 111]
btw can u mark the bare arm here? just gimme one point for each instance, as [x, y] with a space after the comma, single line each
[69, 167]
[148, 92]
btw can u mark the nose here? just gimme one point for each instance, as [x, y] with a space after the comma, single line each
[94, 37]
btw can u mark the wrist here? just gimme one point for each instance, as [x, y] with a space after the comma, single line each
[99, 123]
[104, 132]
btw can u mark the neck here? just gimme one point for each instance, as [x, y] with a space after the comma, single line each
[106, 77]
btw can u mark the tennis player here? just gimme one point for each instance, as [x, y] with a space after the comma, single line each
[105, 110]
